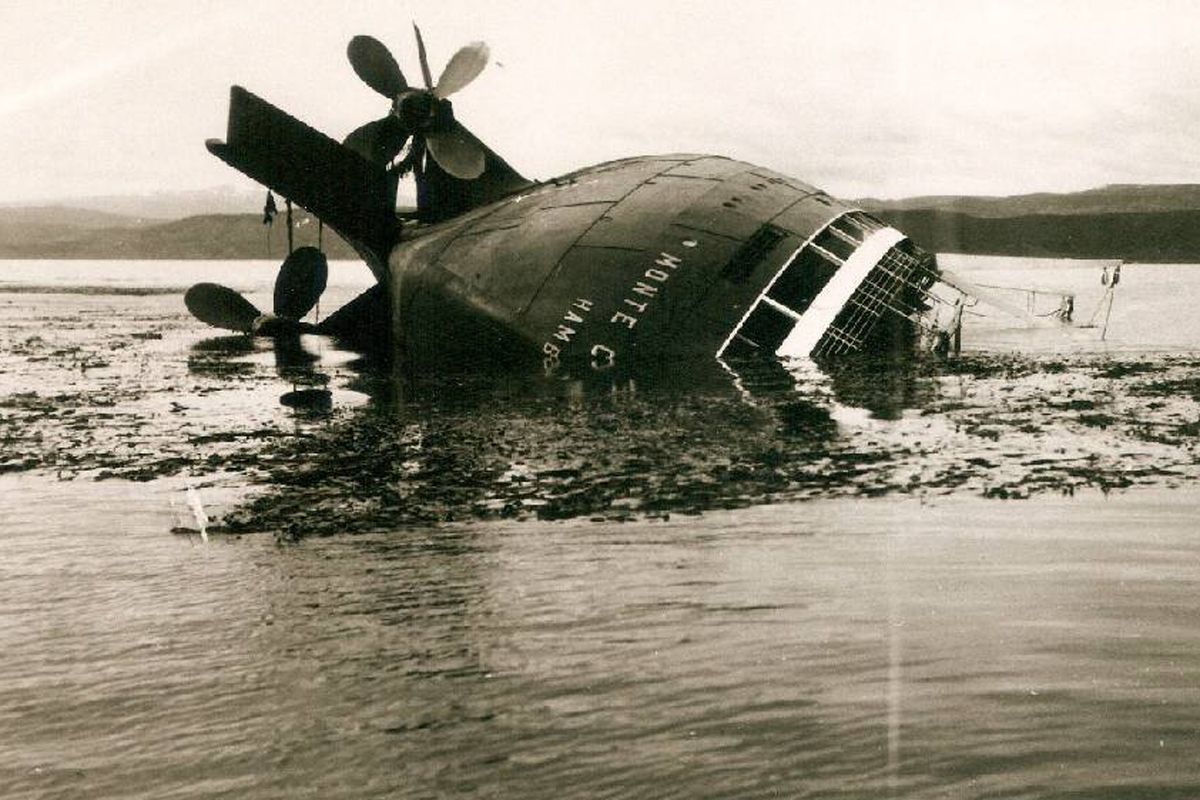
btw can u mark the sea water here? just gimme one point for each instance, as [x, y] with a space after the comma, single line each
[970, 580]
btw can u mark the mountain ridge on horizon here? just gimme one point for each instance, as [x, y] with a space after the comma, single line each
[162, 206]
[200, 236]
[230, 199]
[1151, 222]
[1108, 199]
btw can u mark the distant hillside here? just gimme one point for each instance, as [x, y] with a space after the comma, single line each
[53, 226]
[69, 217]
[168, 204]
[1135, 222]
[230, 236]
[1112, 199]
[1162, 237]
[1139, 222]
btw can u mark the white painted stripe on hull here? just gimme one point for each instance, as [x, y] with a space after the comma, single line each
[786, 265]
[833, 296]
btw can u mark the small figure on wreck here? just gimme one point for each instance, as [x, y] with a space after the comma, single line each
[440, 195]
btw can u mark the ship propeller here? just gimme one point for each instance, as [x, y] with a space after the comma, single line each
[424, 114]
[298, 286]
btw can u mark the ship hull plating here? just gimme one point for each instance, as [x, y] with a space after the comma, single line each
[658, 258]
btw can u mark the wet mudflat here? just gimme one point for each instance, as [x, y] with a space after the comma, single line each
[921, 580]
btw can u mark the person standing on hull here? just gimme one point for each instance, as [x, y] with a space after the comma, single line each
[440, 195]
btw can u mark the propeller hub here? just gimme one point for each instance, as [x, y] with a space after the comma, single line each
[419, 110]
[423, 113]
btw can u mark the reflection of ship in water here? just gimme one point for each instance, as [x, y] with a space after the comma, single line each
[474, 446]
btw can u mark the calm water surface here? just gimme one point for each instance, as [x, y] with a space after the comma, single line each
[742, 590]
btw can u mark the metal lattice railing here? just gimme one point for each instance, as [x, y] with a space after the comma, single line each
[901, 284]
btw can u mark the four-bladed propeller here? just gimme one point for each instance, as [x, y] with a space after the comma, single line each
[424, 114]
[298, 286]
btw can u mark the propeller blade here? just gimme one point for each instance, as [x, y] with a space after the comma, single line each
[300, 282]
[457, 151]
[379, 141]
[424, 59]
[463, 68]
[373, 62]
[221, 307]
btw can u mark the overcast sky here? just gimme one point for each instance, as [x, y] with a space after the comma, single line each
[874, 98]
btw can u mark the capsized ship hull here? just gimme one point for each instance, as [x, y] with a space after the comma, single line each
[656, 259]
[646, 260]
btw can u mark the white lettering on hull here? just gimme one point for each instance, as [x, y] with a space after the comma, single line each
[635, 303]
[574, 316]
[648, 290]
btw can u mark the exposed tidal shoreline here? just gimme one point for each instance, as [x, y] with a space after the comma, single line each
[120, 383]
[91, 399]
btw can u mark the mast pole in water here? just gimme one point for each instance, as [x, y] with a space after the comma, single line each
[1112, 282]
[289, 224]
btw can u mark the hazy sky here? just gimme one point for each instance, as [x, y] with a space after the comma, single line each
[861, 98]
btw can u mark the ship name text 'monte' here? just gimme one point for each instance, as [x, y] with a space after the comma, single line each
[637, 300]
